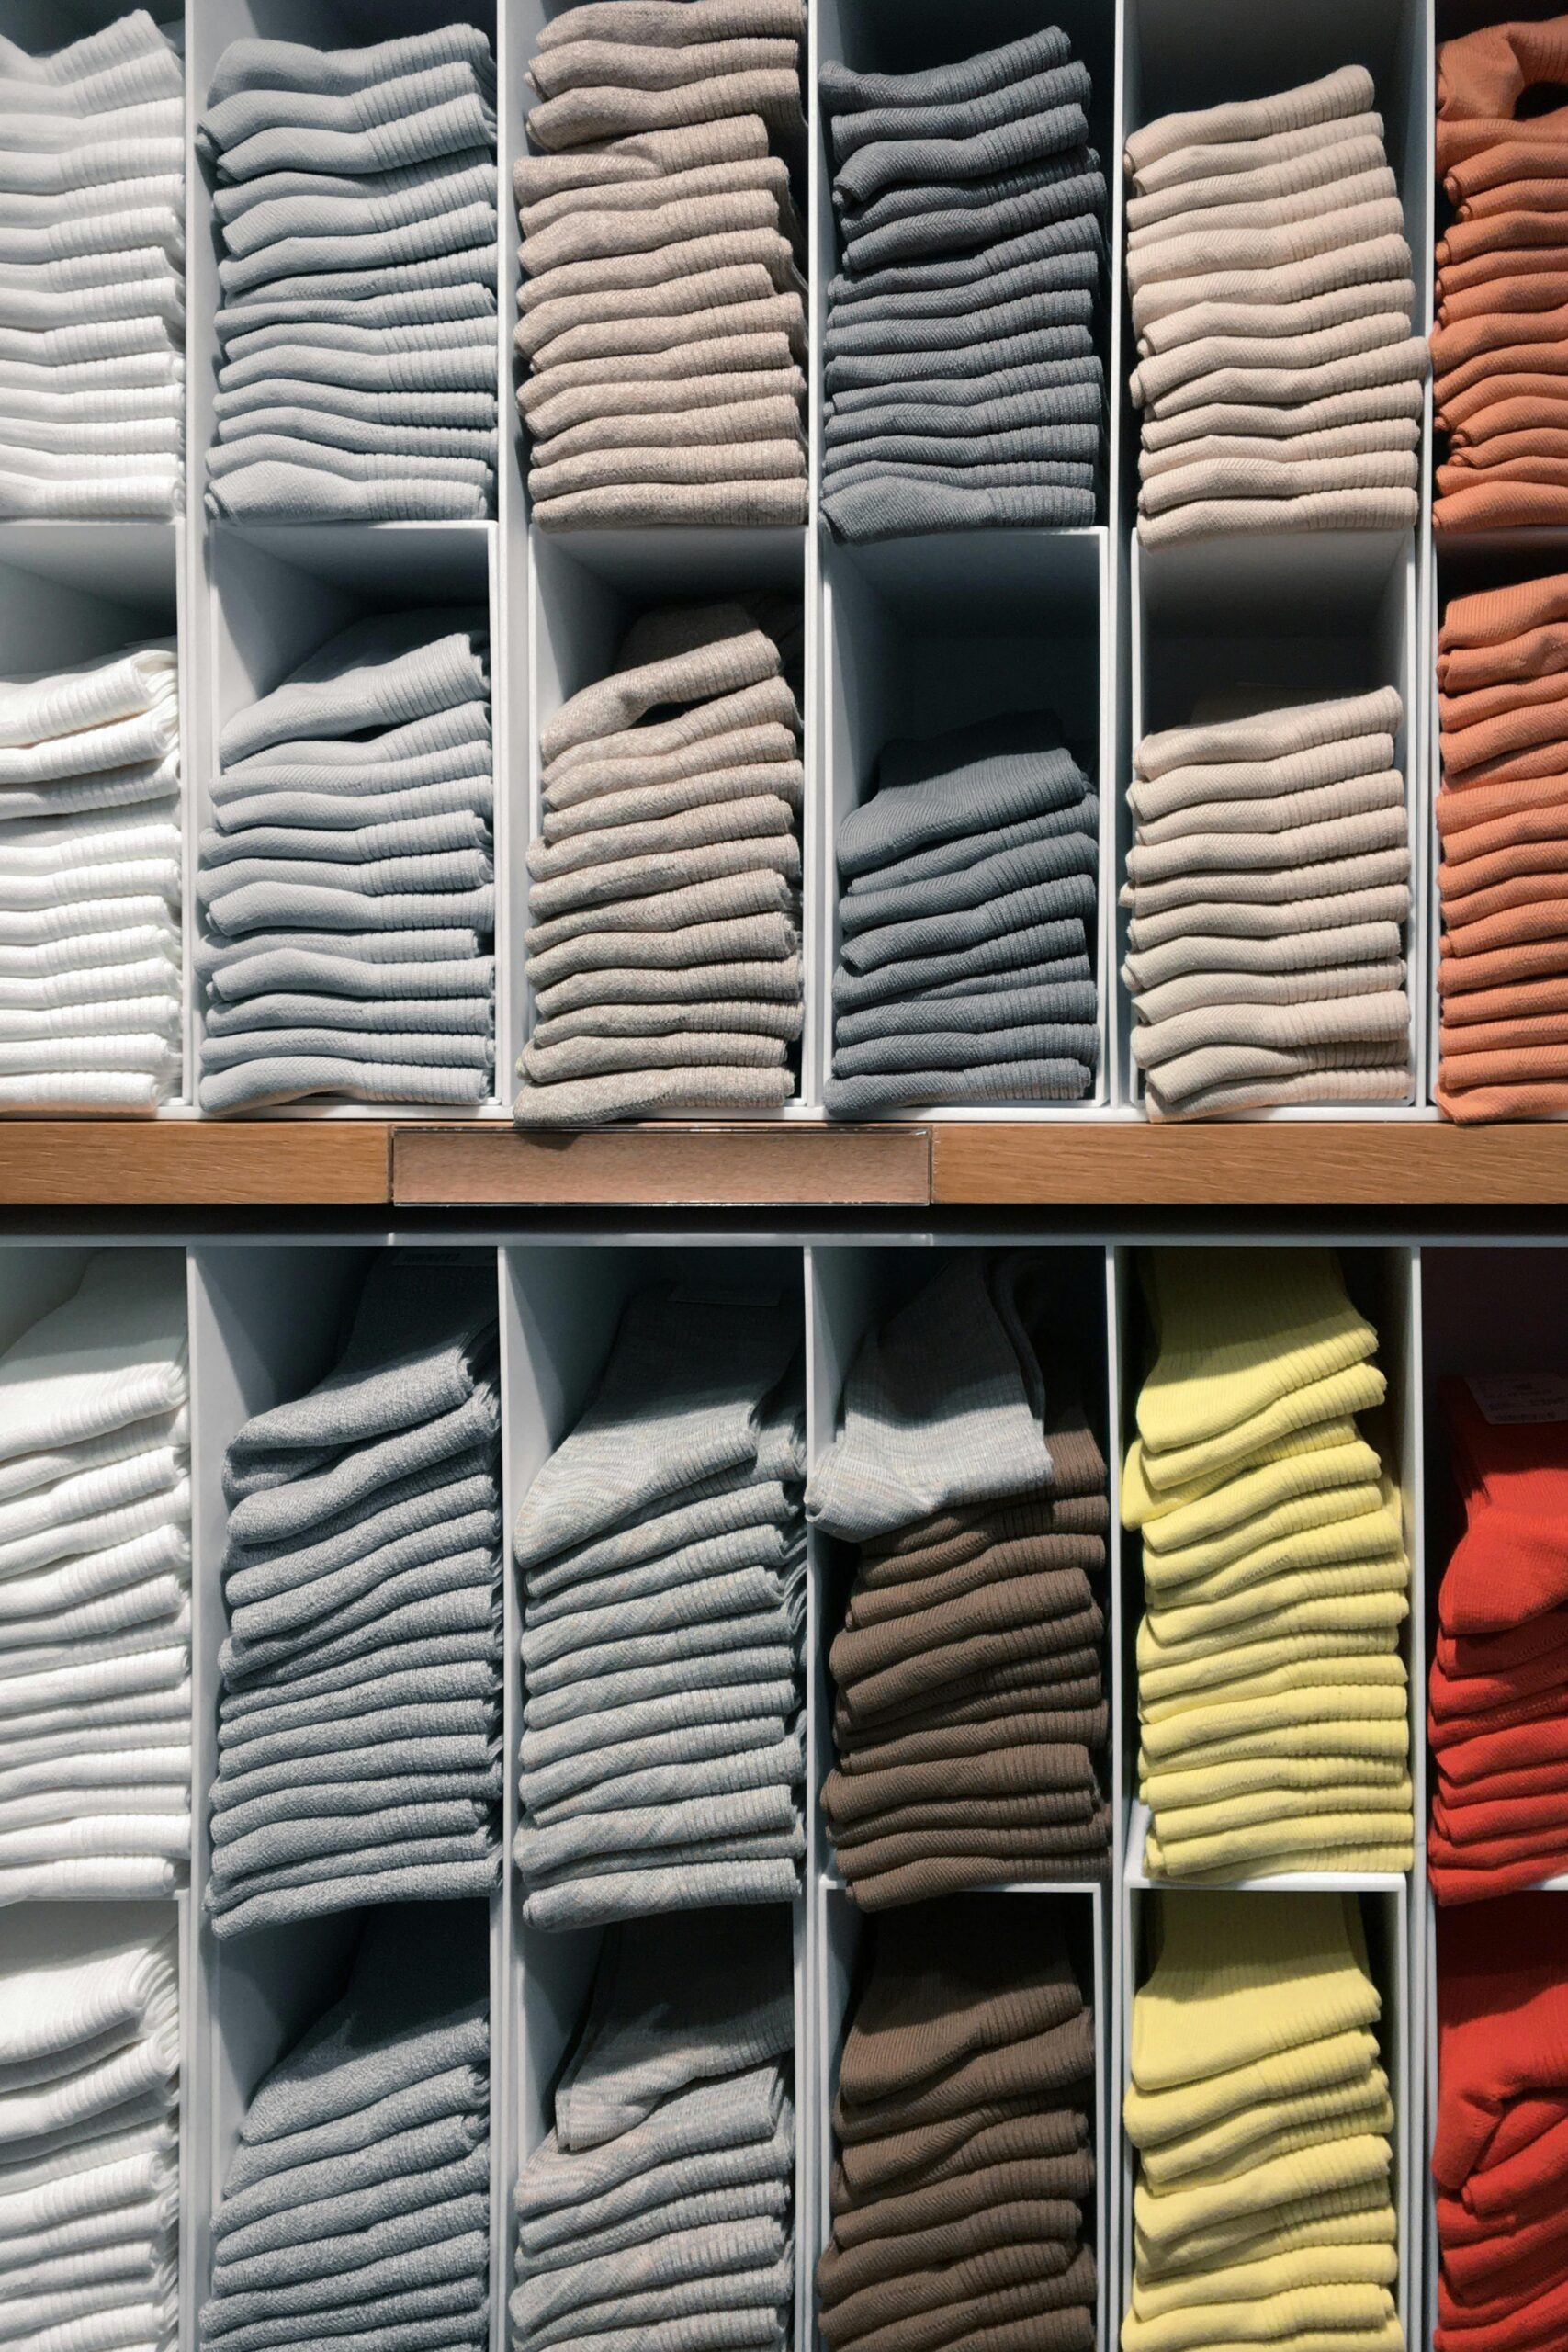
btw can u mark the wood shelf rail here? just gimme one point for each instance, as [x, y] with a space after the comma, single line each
[353, 1163]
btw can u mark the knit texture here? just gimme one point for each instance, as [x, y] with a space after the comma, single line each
[1275, 1576]
[346, 882]
[971, 214]
[1299, 807]
[356, 191]
[1279, 383]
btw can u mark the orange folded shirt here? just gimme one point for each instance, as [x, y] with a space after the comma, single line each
[1476, 379]
[1463, 884]
[1460, 712]
[1523, 1000]
[1505, 1041]
[1492, 1105]
[1498, 967]
[1517, 744]
[1527, 923]
[1488, 72]
[1457, 277]
[1526, 152]
[1548, 195]
[1504, 297]
[1464, 843]
[1522, 399]
[1513, 428]
[1512, 229]
[1494, 330]
[1493, 615]
[1531, 652]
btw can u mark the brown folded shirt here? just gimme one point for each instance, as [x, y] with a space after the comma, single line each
[916, 1868]
[897, 2305]
[861, 1655]
[939, 1994]
[1039, 2067]
[1044, 1813]
[877, 1604]
[843, 2273]
[896, 2218]
[1065, 1687]
[913, 2162]
[947, 1745]
[1017, 1770]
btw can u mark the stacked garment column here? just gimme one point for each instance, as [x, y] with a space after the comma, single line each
[91, 1006]
[661, 2203]
[94, 1590]
[663, 1573]
[358, 1720]
[92, 275]
[348, 880]
[1500, 393]
[1267, 891]
[1503, 823]
[970, 1672]
[1496, 1710]
[663, 322]
[1500, 2142]
[357, 2204]
[964, 384]
[89, 2134]
[1278, 382]
[665, 905]
[970, 890]
[1261, 2115]
[356, 203]
[963, 2148]
[1272, 1699]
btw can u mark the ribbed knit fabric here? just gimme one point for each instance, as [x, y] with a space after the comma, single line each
[940, 2235]
[970, 212]
[1500, 823]
[664, 940]
[361, 1578]
[1263, 2124]
[356, 193]
[662, 1562]
[1272, 291]
[975, 846]
[969, 1669]
[663, 2197]
[357, 2198]
[1275, 1576]
[346, 882]
[1498, 1667]
[1498, 2154]
[1299, 807]
[95, 1591]
[1501, 287]
[660, 232]
[92, 1012]
[89, 2124]
[91, 245]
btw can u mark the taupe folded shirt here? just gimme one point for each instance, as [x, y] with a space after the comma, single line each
[737, 425]
[1194, 854]
[1347, 91]
[732, 763]
[1379, 1019]
[1397, 403]
[735, 293]
[610, 112]
[628, 197]
[1356, 147]
[588, 236]
[1160, 375]
[567, 412]
[687, 257]
[671, 23]
[1262, 319]
[1272, 238]
[580, 771]
[1200, 924]
[1191, 990]
[1376, 260]
[1375, 941]
[1351, 795]
[758, 816]
[687, 654]
[1378, 436]
[1271, 734]
[587, 63]
[648, 155]
[576, 353]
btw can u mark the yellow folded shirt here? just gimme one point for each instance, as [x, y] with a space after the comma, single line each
[1358, 1390]
[1394, 1860]
[1273, 2129]
[1240, 1978]
[1298, 2311]
[1302, 1842]
[1300, 1519]
[1143, 1499]
[1192, 2251]
[1242, 1500]
[1344, 2057]
[1238, 1330]
[1358, 2225]
[1319, 1700]
[1248, 1665]
[1365, 1738]
[1170, 1637]
[1257, 2282]
[1205, 1784]
[1373, 1535]
[1176, 1823]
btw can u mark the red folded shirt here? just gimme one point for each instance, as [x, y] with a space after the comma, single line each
[1511, 1563]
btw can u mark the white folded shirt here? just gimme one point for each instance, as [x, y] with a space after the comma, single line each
[114, 1353]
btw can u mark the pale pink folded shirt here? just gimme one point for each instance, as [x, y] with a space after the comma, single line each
[1279, 383]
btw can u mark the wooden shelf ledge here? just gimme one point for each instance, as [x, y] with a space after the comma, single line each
[794, 1164]
[191, 1163]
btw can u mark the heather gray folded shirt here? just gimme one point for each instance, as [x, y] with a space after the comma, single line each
[1021, 1082]
[887, 508]
[464, 228]
[1048, 951]
[252, 65]
[917, 162]
[383, 671]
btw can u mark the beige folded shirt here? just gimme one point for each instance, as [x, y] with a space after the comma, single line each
[1341, 946]
[1352, 149]
[1263, 319]
[1377, 260]
[1192, 992]
[567, 409]
[1265, 235]
[1239, 919]
[1155, 378]
[1336, 441]
[1277, 478]
[591, 64]
[651, 155]
[1272, 734]
[672, 22]
[595, 235]
[1284, 421]
[741, 287]
[749, 422]
[1350, 795]
[1347, 91]
[751, 309]
[1196, 854]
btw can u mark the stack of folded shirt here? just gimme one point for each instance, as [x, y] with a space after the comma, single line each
[90, 884]
[1261, 2116]
[964, 388]
[89, 2134]
[1503, 822]
[346, 881]
[359, 1713]
[664, 909]
[1272, 1699]
[1270, 281]
[1499, 391]
[356, 2205]
[93, 275]
[94, 1590]
[965, 2158]
[1500, 2148]
[1498, 1721]
[356, 202]
[1268, 886]
[968, 911]
[970, 1672]
[661, 2205]
[662, 303]
[662, 1560]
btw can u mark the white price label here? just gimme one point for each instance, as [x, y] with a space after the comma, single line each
[1506, 1396]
